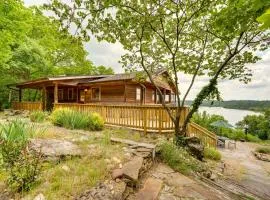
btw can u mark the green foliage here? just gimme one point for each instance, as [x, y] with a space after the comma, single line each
[73, 119]
[263, 149]
[205, 120]
[38, 116]
[265, 19]
[21, 165]
[33, 46]
[179, 159]
[96, 122]
[211, 153]
[257, 124]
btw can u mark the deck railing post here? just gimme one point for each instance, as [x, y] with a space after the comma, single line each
[145, 120]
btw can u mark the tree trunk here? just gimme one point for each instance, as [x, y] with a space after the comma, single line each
[204, 93]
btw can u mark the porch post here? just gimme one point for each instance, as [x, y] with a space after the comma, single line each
[44, 98]
[77, 100]
[20, 95]
[56, 93]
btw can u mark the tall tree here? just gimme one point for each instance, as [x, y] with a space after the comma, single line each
[198, 37]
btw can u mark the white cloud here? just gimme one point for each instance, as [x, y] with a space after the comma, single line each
[259, 89]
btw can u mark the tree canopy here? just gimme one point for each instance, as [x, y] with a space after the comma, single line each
[33, 46]
[198, 37]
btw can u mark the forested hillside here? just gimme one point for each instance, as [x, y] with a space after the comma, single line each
[32, 46]
[238, 104]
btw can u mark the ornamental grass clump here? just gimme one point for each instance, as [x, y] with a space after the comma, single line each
[179, 159]
[21, 165]
[72, 119]
[212, 154]
[38, 116]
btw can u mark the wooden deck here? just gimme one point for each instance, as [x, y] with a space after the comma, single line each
[146, 118]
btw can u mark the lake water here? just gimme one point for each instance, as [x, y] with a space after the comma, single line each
[232, 115]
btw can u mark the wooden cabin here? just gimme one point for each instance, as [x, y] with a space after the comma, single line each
[120, 99]
[101, 89]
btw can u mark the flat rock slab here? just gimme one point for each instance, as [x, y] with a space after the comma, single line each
[53, 148]
[132, 168]
[151, 189]
[133, 143]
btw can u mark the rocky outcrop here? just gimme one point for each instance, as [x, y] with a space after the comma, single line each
[105, 191]
[262, 156]
[53, 149]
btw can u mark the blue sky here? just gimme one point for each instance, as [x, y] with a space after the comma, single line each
[107, 54]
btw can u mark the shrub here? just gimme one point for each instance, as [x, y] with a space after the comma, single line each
[72, 119]
[179, 159]
[96, 122]
[265, 150]
[21, 165]
[38, 116]
[212, 154]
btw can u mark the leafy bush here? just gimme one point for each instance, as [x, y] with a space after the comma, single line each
[21, 165]
[38, 116]
[212, 154]
[205, 120]
[77, 120]
[265, 150]
[96, 122]
[179, 159]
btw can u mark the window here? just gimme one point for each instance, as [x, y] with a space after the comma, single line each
[138, 94]
[153, 96]
[96, 94]
[167, 97]
[60, 94]
[70, 93]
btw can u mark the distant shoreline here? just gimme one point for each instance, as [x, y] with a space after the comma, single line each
[251, 105]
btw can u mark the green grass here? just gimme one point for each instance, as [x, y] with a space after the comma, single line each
[73, 119]
[212, 154]
[84, 172]
[179, 159]
[38, 116]
[265, 150]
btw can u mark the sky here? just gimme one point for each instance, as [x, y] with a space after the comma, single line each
[103, 53]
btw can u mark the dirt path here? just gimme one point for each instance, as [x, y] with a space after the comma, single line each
[247, 172]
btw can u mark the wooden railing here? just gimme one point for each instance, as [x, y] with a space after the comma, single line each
[147, 118]
[31, 106]
[208, 138]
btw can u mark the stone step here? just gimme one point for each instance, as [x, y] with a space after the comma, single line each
[132, 168]
[151, 189]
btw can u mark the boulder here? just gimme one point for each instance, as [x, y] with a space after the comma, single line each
[195, 147]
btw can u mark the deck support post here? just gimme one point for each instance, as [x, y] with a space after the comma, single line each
[20, 95]
[56, 93]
